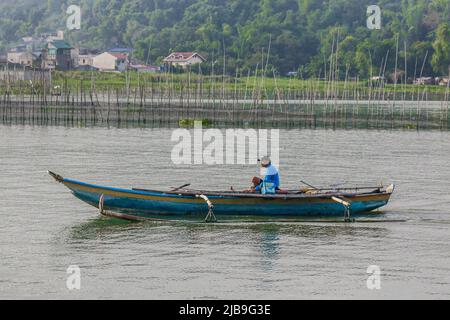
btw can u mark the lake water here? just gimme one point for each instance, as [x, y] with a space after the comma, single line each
[44, 229]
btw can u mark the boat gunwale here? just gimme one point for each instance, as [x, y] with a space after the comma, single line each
[227, 194]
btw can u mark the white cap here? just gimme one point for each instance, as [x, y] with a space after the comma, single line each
[266, 161]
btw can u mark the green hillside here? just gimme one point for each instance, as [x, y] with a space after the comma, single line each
[301, 33]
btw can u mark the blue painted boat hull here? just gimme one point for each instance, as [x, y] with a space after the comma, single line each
[134, 204]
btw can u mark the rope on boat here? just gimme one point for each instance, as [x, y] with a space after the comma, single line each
[101, 204]
[346, 205]
[210, 217]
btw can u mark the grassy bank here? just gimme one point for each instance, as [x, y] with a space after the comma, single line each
[191, 85]
[249, 86]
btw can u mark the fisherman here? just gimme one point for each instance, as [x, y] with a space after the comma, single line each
[269, 183]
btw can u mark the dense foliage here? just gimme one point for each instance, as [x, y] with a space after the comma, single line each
[301, 33]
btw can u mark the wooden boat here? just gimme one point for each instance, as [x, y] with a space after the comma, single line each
[140, 204]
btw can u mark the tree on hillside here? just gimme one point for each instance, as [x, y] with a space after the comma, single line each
[441, 45]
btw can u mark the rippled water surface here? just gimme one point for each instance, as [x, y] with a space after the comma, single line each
[44, 229]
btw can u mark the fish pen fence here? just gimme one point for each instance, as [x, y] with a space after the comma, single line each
[152, 104]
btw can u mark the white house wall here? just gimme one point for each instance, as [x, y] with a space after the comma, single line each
[105, 61]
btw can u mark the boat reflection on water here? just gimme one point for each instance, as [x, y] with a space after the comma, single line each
[267, 238]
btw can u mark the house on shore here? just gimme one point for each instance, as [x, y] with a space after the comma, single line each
[85, 62]
[36, 43]
[442, 81]
[83, 59]
[424, 81]
[108, 61]
[57, 55]
[24, 58]
[378, 79]
[184, 59]
[143, 68]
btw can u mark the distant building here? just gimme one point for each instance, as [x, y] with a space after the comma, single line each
[184, 59]
[83, 59]
[37, 43]
[22, 58]
[52, 36]
[19, 48]
[142, 68]
[442, 81]
[127, 51]
[424, 80]
[379, 79]
[108, 61]
[27, 39]
[57, 55]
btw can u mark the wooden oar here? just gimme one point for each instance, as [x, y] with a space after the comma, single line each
[181, 187]
[339, 189]
[305, 183]
[172, 190]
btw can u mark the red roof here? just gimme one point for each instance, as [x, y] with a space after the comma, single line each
[119, 55]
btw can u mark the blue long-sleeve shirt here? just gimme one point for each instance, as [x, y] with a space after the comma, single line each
[270, 175]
